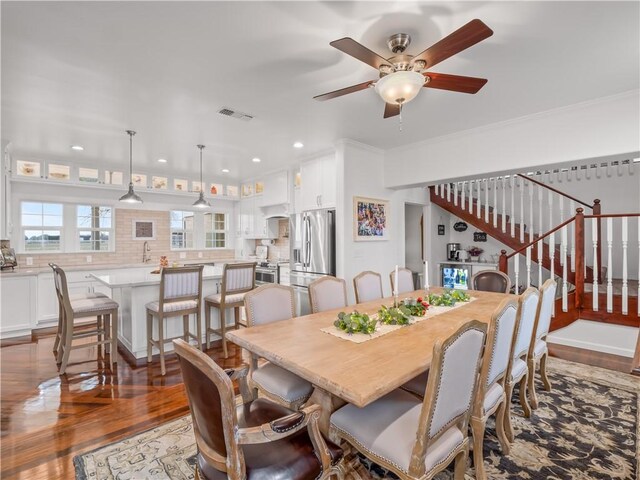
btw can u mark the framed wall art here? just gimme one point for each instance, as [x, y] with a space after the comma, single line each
[371, 219]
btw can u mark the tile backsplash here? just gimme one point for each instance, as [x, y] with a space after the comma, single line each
[280, 248]
[129, 250]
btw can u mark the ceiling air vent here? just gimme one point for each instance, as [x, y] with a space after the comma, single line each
[228, 112]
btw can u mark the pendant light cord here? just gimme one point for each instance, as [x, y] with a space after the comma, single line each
[131, 134]
[201, 185]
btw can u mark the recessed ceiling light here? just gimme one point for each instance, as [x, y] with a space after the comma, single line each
[225, 170]
[162, 160]
[77, 147]
[255, 160]
[298, 145]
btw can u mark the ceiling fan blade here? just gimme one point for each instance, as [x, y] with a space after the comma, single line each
[391, 110]
[473, 32]
[455, 83]
[344, 91]
[359, 51]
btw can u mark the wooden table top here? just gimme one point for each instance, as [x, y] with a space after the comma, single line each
[359, 373]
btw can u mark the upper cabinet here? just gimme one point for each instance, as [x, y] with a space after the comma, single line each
[318, 183]
[275, 190]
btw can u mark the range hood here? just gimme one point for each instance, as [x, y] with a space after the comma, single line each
[276, 211]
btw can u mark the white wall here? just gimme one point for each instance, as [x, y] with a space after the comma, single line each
[361, 173]
[413, 246]
[600, 128]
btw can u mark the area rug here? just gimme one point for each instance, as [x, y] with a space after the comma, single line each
[586, 428]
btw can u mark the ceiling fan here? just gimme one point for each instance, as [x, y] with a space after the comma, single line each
[402, 76]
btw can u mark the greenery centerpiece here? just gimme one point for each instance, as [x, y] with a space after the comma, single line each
[355, 322]
[449, 298]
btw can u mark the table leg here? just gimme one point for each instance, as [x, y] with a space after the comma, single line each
[329, 403]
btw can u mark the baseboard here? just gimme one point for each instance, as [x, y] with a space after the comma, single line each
[590, 357]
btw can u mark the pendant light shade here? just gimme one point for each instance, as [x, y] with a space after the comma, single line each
[130, 196]
[201, 202]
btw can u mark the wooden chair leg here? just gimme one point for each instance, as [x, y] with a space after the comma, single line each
[107, 346]
[531, 386]
[460, 465]
[207, 324]
[58, 341]
[223, 326]
[100, 326]
[59, 351]
[500, 429]
[508, 427]
[543, 371]
[199, 328]
[66, 345]
[236, 312]
[524, 401]
[114, 337]
[161, 343]
[185, 328]
[149, 337]
[477, 432]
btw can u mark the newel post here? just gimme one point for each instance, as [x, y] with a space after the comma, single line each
[597, 210]
[579, 242]
[503, 264]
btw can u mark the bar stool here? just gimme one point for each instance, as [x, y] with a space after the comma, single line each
[237, 279]
[180, 296]
[74, 307]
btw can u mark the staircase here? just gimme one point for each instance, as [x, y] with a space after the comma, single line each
[558, 235]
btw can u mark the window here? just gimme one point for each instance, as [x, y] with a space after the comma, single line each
[181, 229]
[94, 228]
[215, 230]
[41, 226]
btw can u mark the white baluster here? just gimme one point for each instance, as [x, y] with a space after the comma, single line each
[448, 192]
[437, 189]
[464, 188]
[504, 206]
[609, 265]
[594, 238]
[531, 229]
[572, 237]
[563, 254]
[528, 266]
[516, 272]
[625, 286]
[521, 186]
[540, 227]
[486, 200]
[540, 282]
[552, 256]
[495, 202]
[471, 196]
[550, 200]
[455, 194]
[513, 207]
[478, 183]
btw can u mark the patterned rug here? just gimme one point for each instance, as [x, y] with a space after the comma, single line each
[586, 428]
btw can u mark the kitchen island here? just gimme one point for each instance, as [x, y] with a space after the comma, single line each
[133, 288]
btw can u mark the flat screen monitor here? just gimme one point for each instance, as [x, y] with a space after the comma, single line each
[455, 277]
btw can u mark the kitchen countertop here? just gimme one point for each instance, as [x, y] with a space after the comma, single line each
[137, 277]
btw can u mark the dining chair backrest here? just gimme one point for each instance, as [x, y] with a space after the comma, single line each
[327, 293]
[527, 312]
[499, 342]
[491, 281]
[238, 278]
[545, 310]
[180, 283]
[62, 291]
[212, 404]
[269, 303]
[405, 281]
[367, 286]
[450, 388]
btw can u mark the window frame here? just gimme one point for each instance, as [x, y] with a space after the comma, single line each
[226, 230]
[196, 221]
[77, 229]
[24, 228]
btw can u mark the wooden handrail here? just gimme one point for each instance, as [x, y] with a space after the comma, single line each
[555, 190]
[542, 237]
[613, 215]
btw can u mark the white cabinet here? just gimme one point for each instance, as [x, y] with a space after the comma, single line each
[318, 183]
[263, 227]
[275, 190]
[253, 223]
[18, 298]
[246, 216]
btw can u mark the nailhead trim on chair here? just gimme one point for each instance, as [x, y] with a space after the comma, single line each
[283, 430]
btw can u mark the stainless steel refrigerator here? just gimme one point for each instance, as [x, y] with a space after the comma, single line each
[312, 239]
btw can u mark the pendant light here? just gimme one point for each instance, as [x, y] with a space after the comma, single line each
[201, 202]
[130, 196]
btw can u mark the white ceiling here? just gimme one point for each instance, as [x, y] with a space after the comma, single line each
[83, 72]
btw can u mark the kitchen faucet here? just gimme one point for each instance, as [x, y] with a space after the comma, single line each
[145, 248]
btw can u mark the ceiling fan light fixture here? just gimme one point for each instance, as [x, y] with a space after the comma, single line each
[400, 87]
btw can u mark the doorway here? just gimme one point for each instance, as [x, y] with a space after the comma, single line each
[413, 238]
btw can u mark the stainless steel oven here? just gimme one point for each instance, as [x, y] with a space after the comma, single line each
[266, 274]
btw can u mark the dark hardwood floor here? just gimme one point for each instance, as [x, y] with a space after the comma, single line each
[47, 419]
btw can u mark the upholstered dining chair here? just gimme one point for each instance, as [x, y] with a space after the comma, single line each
[180, 296]
[327, 293]
[418, 438]
[266, 304]
[491, 281]
[367, 286]
[527, 312]
[538, 351]
[256, 439]
[237, 279]
[76, 307]
[490, 397]
[405, 281]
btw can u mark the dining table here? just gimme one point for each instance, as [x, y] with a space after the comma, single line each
[343, 371]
